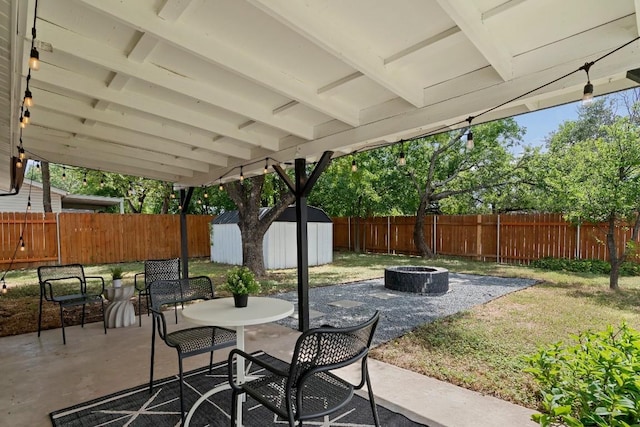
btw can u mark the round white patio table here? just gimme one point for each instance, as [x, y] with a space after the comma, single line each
[223, 312]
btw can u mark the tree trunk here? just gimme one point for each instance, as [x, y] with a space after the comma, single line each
[418, 230]
[247, 197]
[46, 186]
[614, 259]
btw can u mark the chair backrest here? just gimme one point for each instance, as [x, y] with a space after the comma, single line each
[69, 278]
[327, 348]
[161, 269]
[171, 292]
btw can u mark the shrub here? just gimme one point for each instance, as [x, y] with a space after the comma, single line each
[594, 382]
[595, 266]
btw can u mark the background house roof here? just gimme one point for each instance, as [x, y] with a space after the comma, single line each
[187, 91]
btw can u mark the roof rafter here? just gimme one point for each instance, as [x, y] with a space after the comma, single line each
[229, 57]
[470, 22]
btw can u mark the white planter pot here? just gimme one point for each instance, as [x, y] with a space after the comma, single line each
[117, 283]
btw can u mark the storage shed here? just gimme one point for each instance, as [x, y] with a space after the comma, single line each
[279, 246]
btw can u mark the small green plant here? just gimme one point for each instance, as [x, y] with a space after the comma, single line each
[594, 382]
[117, 273]
[241, 281]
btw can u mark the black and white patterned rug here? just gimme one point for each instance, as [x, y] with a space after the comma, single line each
[137, 407]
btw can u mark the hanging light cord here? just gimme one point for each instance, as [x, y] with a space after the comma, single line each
[20, 241]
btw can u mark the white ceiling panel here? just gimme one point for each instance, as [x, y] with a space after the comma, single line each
[193, 89]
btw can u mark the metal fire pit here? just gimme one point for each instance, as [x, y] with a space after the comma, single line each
[422, 280]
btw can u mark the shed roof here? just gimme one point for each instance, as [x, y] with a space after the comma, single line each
[289, 215]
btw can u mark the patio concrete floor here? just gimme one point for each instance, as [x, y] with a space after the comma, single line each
[40, 375]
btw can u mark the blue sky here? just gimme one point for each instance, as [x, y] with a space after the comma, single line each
[541, 123]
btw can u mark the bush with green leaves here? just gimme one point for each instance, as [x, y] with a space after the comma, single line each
[595, 381]
[241, 281]
[595, 266]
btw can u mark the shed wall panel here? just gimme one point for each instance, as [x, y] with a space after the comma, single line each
[226, 244]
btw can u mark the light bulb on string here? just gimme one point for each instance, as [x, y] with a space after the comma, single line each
[221, 187]
[26, 118]
[266, 166]
[470, 143]
[34, 59]
[402, 161]
[587, 92]
[19, 163]
[29, 203]
[4, 288]
[38, 165]
[28, 98]
[64, 173]
[354, 167]
[21, 153]
[241, 176]
[22, 248]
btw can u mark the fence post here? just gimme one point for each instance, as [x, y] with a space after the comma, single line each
[578, 245]
[388, 234]
[58, 237]
[479, 238]
[498, 240]
[433, 238]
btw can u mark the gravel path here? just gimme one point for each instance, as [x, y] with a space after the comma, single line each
[400, 312]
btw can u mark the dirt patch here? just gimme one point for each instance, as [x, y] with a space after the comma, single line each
[20, 315]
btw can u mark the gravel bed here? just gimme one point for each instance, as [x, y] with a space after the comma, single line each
[400, 312]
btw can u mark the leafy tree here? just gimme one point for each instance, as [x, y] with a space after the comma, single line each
[441, 168]
[597, 179]
[248, 197]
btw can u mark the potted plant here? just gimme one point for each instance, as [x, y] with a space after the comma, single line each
[241, 282]
[116, 275]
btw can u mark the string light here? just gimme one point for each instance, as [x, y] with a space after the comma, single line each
[354, 167]
[101, 182]
[241, 176]
[29, 203]
[84, 180]
[402, 161]
[28, 98]
[4, 288]
[64, 172]
[220, 187]
[587, 93]
[34, 59]
[26, 118]
[470, 143]
[38, 165]
[266, 166]
[22, 248]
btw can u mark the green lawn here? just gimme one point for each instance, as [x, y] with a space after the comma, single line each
[480, 349]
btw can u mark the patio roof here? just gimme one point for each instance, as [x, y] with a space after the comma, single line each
[187, 91]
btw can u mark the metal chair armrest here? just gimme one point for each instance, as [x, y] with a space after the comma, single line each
[239, 353]
[135, 282]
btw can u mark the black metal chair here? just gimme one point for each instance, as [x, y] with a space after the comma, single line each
[155, 269]
[191, 341]
[66, 285]
[307, 388]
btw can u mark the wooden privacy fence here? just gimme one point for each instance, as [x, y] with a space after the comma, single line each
[508, 238]
[89, 238]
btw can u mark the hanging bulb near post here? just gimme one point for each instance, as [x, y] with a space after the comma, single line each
[354, 167]
[266, 167]
[21, 153]
[34, 59]
[28, 98]
[402, 161]
[241, 176]
[26, 118]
